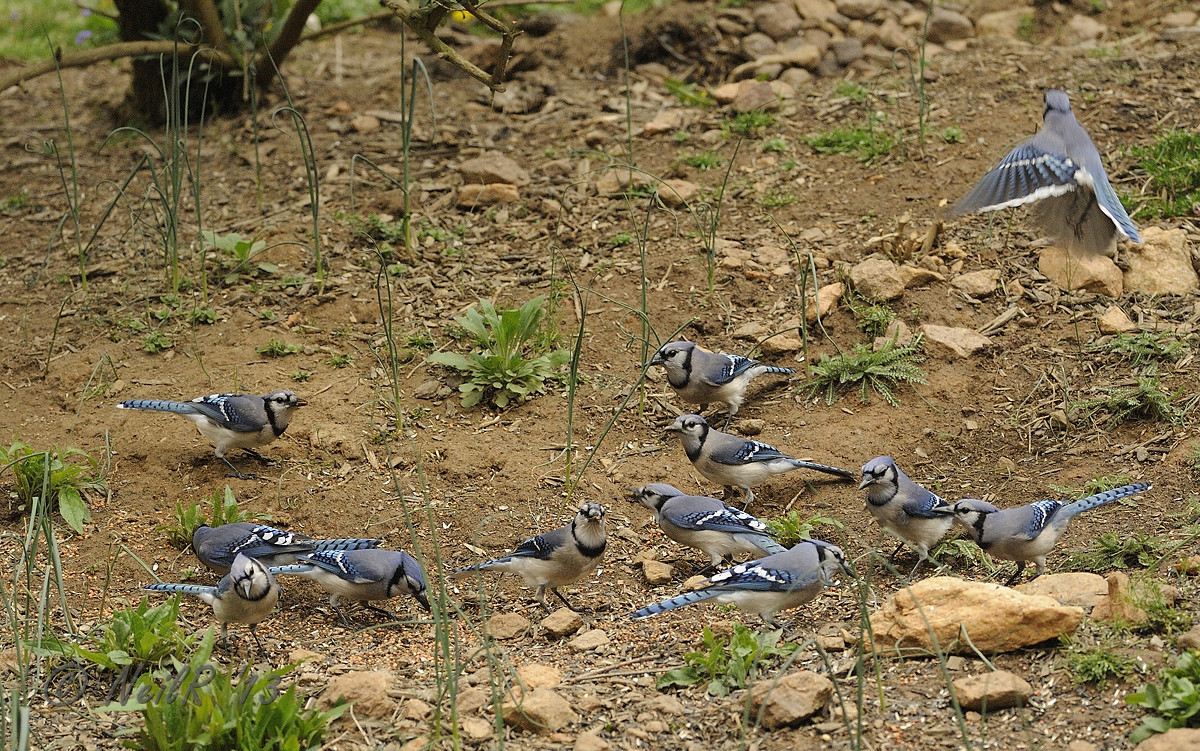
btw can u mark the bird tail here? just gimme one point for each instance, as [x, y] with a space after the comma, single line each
[1108, 496]
[845, 474]
[345, 543]
[159, 405]
[686, 598]
[294, 568]
[766, 544]
[760, 369]
[498, 563]
[187, 589]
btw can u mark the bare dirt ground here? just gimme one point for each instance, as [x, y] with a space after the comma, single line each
[981, 427]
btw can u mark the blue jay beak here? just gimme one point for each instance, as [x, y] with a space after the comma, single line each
[944, 510]
[672, 428]
[656, 360]
[301, 402]
[866, 483]
[633, 494]
[421, 598]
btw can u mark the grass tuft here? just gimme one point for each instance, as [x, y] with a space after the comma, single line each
[882, 370]
[1173, 164]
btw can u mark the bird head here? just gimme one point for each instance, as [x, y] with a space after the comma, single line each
[693, 426]
[414, 577]
[832, 560]
[251, 579]
[969, 513]
[654, 495]
[1055, 100]
[673, 355]
[879, 472]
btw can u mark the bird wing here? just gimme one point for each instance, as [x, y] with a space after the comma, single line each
[752, 451]
[336, 562]
[229, 410]
[923, 505]
[728, 368]
[1028, 173]
[721, 519]
[541, 547]
[1036, 517]
[761, 576]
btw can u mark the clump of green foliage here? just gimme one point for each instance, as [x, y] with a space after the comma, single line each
[1175, 701]
[1147, 346]
[55, 477]
[1094, 486]
[1116, 550]
[141, 635]
[791, 529]
[872, 319]
[704, 161]
[690, 94]
[865, 143]
[278, 348]
[748, 123]
[223, 509]
[1146, 398]
[238, 255]
[513, 361]
[727, 665]
[963, 549]
[1173, 164]
[867, 368]
[1098, 665]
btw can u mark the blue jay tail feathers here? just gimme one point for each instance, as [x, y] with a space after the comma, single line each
[675, 602]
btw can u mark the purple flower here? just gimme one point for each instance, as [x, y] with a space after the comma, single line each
[82, 37]
[15, 16]
[85, 12]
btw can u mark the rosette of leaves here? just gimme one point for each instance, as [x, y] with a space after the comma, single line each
[507, 366]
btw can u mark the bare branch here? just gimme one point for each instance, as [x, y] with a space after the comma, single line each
[289, 34]
[415, 21]
[206, 15]
[117, 51]
[334, 28]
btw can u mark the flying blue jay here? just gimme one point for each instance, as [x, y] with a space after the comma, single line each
[903, 507]
[1060, 171]
[362, 576]
[737, 462]
[700, 376]
[1027, 533]
[247, 594]
[216, 547]
[766, 586]
[705, 523]
[232, 421]
[558, 557]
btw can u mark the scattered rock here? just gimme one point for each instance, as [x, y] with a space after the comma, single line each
[588, 640]
[667, 121]
[477, 728]
[365, 124]
[493, 167]
[591, 741]
[897, 332]
[1177, 739]
[669, 705]
[1118, 605]
[1083, 29]
[1080, 588]
[677, 193]
[657, 572]
[540, 710]
[755, 46]
[791, 700]
[977, 283]
[1190, 639]
[998, 689]
[472, 196]
[860, 9]
[472, 699]
[781, 344]
[751, 330]
[415, 709]
[506, 626]
[1114, 321]
[877, 279]
[751, 427]
[777, 20]
[1087, 271]
[946, 25]
[847, 51]
[535, 675]
[952, 342]
[1002, 23]
[562, 622]
[996, 618]
[827, 299]
[366, 690]
[1162, 265]
[915, 276]
[754, 95]
[815, 10]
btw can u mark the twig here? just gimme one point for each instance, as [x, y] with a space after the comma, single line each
[116, 51]
[414, 20]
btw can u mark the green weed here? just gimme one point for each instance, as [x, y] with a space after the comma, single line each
[1093, 486]
[881, 370]
[338, 360]
[1175, 702]
[773, 198]
[953, 134]
[872, 319]
[1146, 398]
[850, 90]
[748, 123]
[776, 145]
[791, 529]
[1173, 165]
[690, 94]
[704, 161]
[302, 375]
[156, 341]
[727, 665]
[1097, 665]
[222, 509]
[506, 369]
[866, 144]
[14, 202]
[53, 476]
[278, 348]
[1147, 347]
[137, 636]
[205, 316]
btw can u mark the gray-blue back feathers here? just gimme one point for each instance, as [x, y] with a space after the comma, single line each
[216, 547]
[247, 594]
[700, 377]
[362, 575]
[705, 523]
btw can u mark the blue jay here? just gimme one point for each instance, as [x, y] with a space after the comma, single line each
[247, 594]
[1060, 170]
[705, 523]
[1027, 533]
[232, 421]
[216, 547]
[766, 586]
[903, 507]
[737, 462]
[362, 576]
[700, 376]
[558, 557]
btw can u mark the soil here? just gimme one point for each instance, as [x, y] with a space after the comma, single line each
[478, 478]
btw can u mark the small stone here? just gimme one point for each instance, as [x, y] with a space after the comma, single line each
[1176, 739]
[758, 45]
[1082, 745]
[726, 92]
[781, 344]
[753, 96]
[493, 167]
[415, 709]
[1114, 321]
[861, 9]
[946, 25]
[1083, 29]
[815, 10]
[1118, 605]
[751, 330]
[1002, 23]
[540, 710]
[305, 655]
[777, 20]
[472, 699]
[916, 276]
[827, 300]
[1162, 265]
[473, 196]
[667, 121]
[591, 741]
[477, 728]
[666, 704]
[427, 389]
[791, 700]
[504, 626]
[677, 193]
[751, 426]
[1190, 639]
[954, 343]
[365, 124]
[535, 675]
[1079, 588]
[955, 663]
[797, 78]
[998, 689]
[657, 572]
[562, 622]
[977, 283]
[877, 279]
[588, 640]
[367, 691]
[1091, 272]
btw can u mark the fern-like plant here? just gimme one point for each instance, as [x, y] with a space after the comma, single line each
[507, 367]
[882, 370]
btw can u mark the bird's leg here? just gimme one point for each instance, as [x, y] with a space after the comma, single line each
[729, 493]
[381, 611]
[559, 595]
[769, 619]
[264, 459]
[747, 498]
[341, 615]
[541, 597]
[1016, 574]
[236, 473]
[728, 419]
[920, 560]
[892, 557]
[258, 645]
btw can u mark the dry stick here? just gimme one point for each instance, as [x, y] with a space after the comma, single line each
[113, 52]
[413, 20]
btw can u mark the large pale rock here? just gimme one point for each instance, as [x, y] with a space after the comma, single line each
[1083, 29]
[657, 572]
[953, 343]
[996, 618]
[1001, 23]
[591, 741]
[946, 25]
[589, 640]
[754, 95]
[777, 20]
[827, 299]
[1163, 265]
[796, 697]
[1178, 739]
[917, 276]
[507, 626]
[1090, 272]
[1079, 588]
[676, 192]
[367, 691]
[815, 10]
[999, 689]
[540, 710]
[493, 167]
[877, 279]
[535, 675]
[758, 45]
[977, 283]
[562, 622]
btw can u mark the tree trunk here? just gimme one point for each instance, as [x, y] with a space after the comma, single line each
[136, 20]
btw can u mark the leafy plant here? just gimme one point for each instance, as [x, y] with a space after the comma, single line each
[204, 315]
[1098, 665]
[1173, 164]
[1145, 398]
[748, 123]
[774, 198]
[1147, 346]
[851, 90]
[727, 665]
[962, 549]
[213, 712]
[953, 134]
[881, 370]
[705, 160]
[54, 477]
[240, 253]
[278, 348]
[1093, 486]
[141, 635]
[690, 94]
[504, 370]
[872, 319]
[156, 341]
[866, 143]
[223, 509]
[339, 360]
[776, 145]
[1176, 702]
[791, 529]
